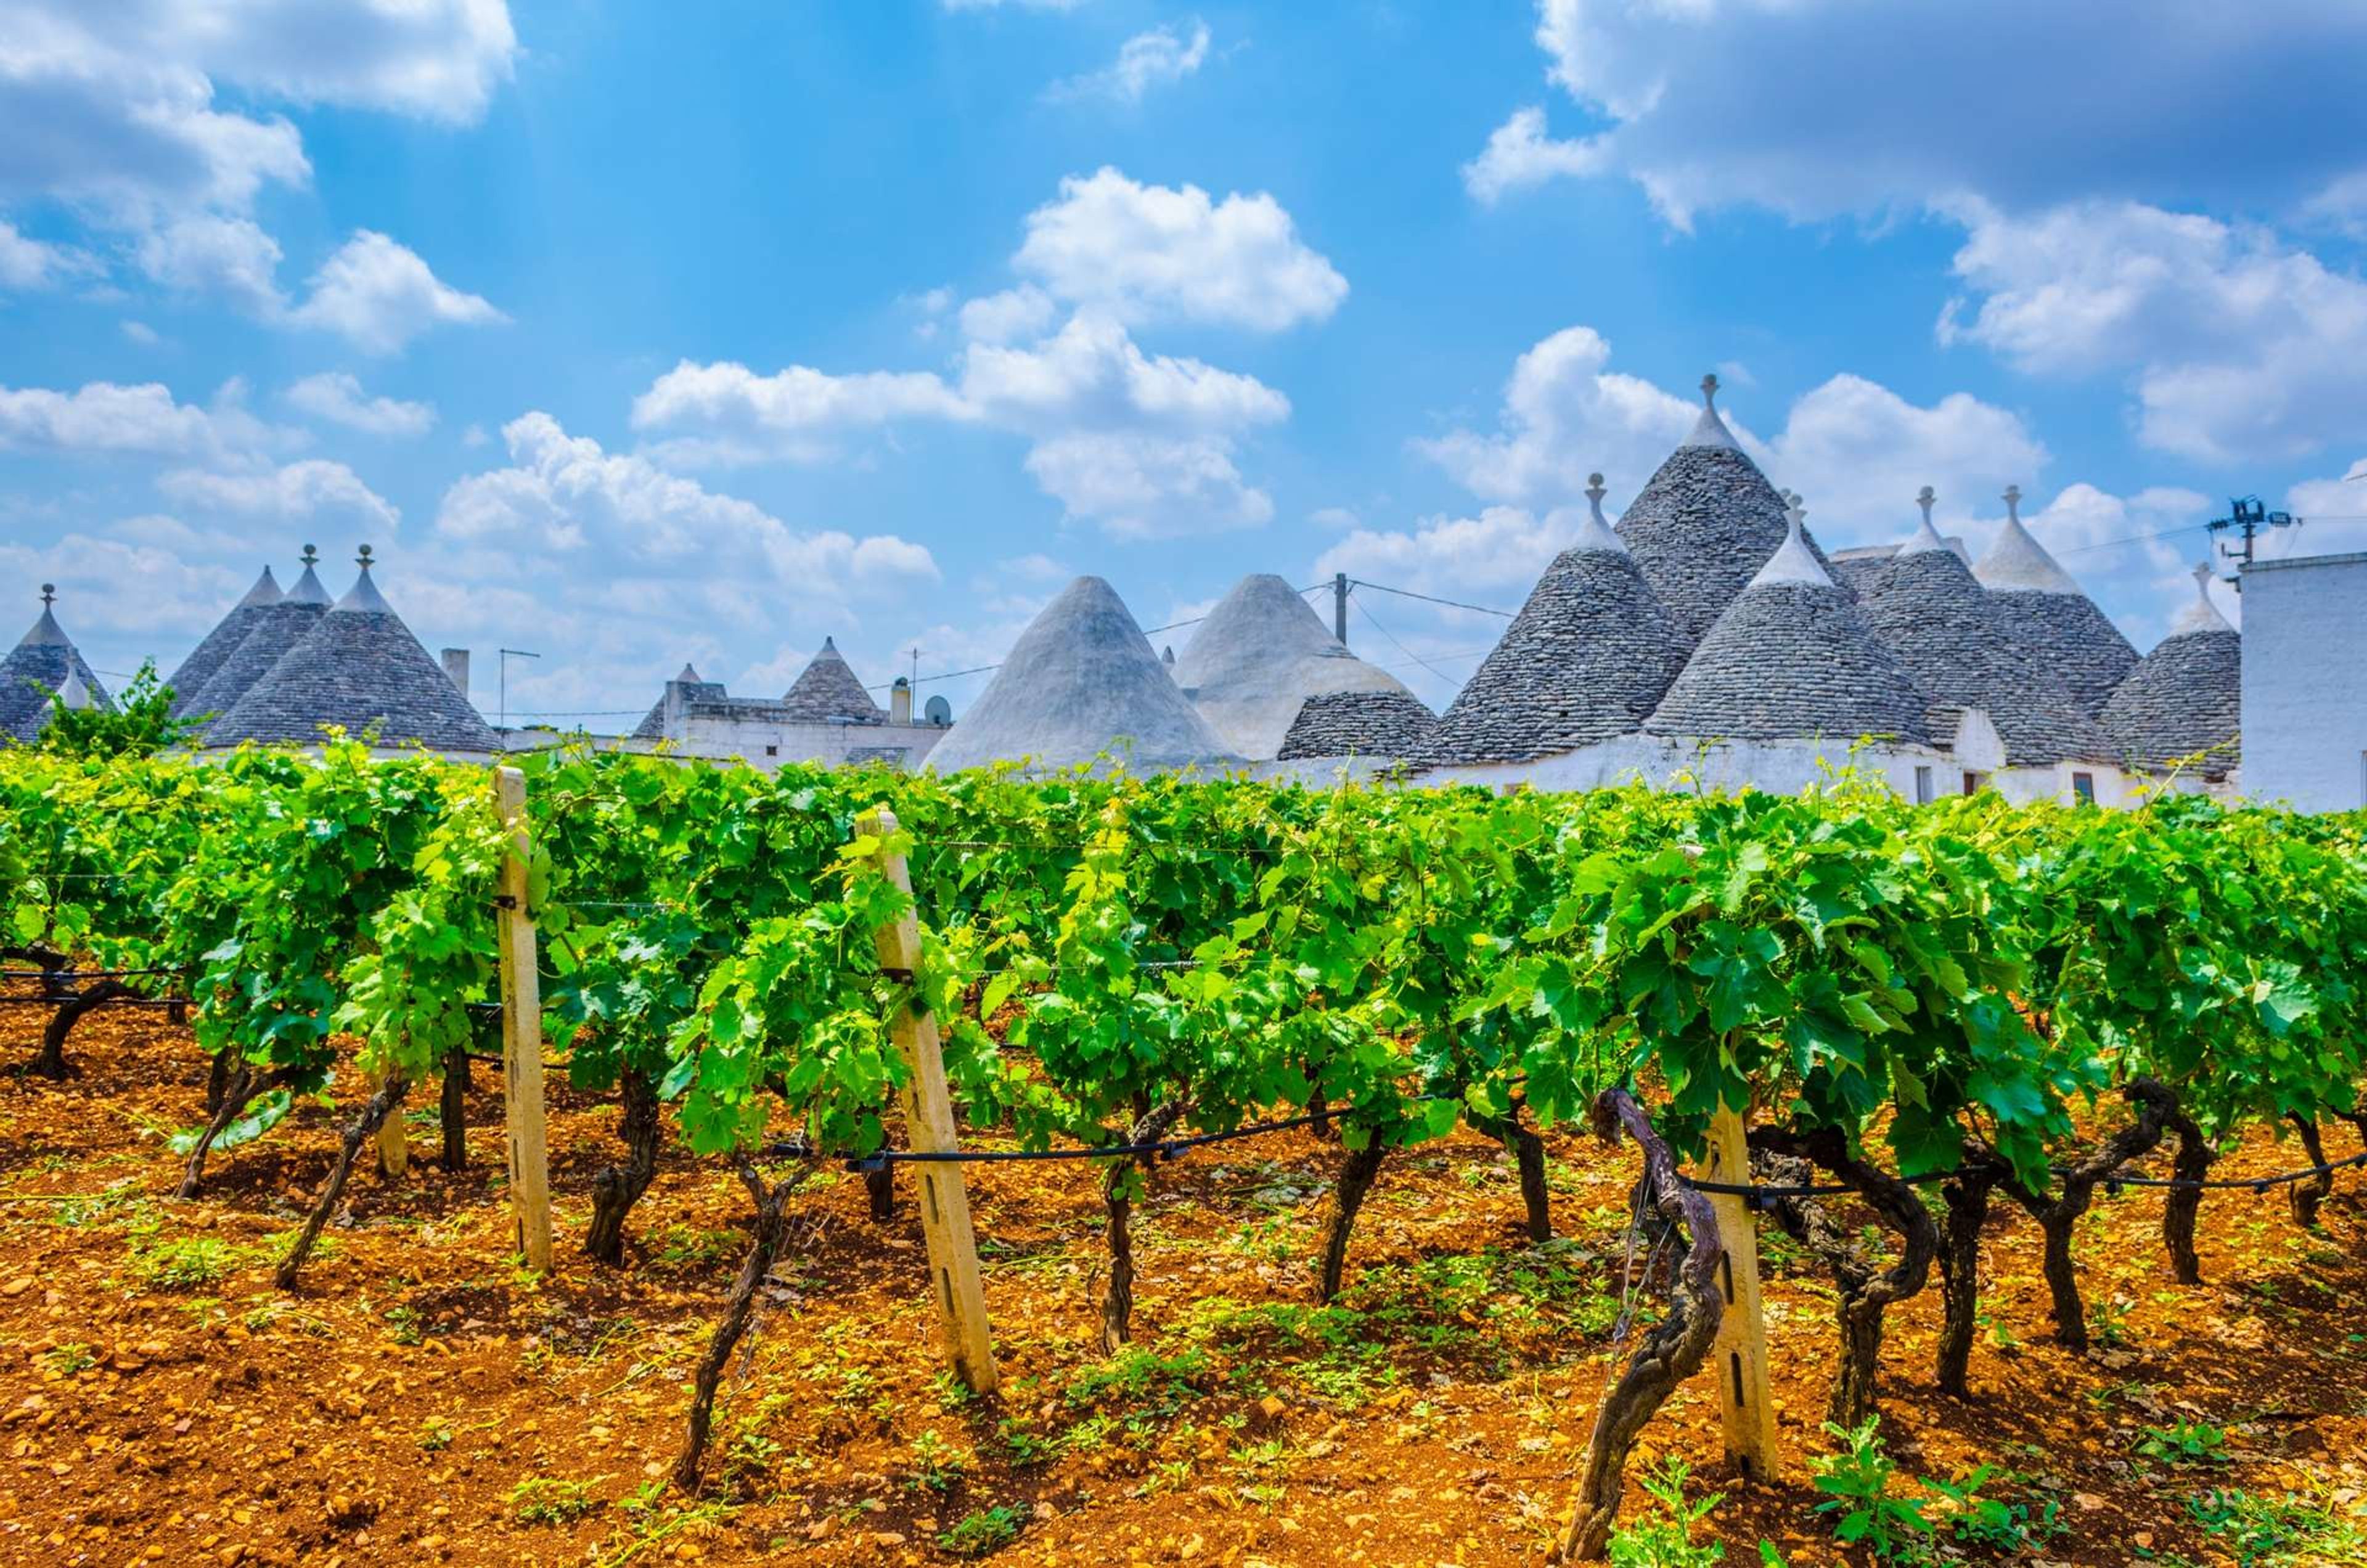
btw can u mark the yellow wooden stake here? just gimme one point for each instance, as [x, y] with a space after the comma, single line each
[522, 1102]
[929, 1126]
[1739, 1358]
[394, 1146]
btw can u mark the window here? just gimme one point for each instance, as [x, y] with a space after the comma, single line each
[772, 751]
[1974, 782]
[2083, 789]
[1924, 790]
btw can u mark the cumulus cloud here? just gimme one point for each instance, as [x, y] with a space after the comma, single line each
[1142, 486]
[1520, 154]
[564, 493]
[1147, 252]
[1158, 58]
[102, 417]
[379, 295]
[28, 262]
[231, 258]
[1857, 450]
[1023, 312]
[337, 396]
[1816, 108]
[292, 492]
[2235, 344]
[113, 590]
[798, 414]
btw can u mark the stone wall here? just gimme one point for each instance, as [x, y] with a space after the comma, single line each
[2305, 733]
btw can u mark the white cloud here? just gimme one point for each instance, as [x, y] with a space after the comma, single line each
[1334, 519]
[122, 588]
[2237, 345]
[102, 416]
[337, 397]
[1023, 312]
[141, 333]
[1520, 154]
[28, 262]
[1091, 372]
[293, 491]
[1494, 559]
[378, 296]
[798, 414]
[1154, 253]
[2333, 513]
[1158, 58]
[1856, 450]
[210, 255]
[1139, 486]
[1816, 108]
[563, 493]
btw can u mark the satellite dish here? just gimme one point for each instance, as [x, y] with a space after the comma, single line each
[938, 711]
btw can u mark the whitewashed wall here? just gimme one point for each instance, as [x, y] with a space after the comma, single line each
[2304, 733]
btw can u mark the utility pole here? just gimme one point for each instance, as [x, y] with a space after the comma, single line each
[1340, 607]
[2246, 514]
[502, 659]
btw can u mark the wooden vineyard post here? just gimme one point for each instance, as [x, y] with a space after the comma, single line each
[1739, 1356]
[929, 1126]
[393, 1145]
[522, 1105]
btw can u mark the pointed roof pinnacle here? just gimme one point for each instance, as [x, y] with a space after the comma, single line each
[48, 595]
[1793, 562]
[266, 592]
[1709, 430]
[2203, 615]
[1596, 532]
[2016, 562]
[363, 597]
[1925, 537]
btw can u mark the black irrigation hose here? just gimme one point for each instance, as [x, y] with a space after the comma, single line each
[78, 973]
[1165, 1148]
[1763, 1197]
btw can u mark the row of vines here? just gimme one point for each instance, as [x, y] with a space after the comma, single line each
[1967, 998]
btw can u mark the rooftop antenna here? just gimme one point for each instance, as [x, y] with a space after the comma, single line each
[505, 655]
[2247, 515]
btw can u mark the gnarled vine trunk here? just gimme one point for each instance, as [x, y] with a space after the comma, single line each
[2154, 1104]
[239, 1090]
[1117, 1302]
[390, 1095]
[2181, 1205]
[618, 1186]
[2304, 1196]
[1359, 1169]
[879, 1188]
[452, 1110]
[1966, 1195]
[50, 1061]
[1673, 1349]
[764, 1249]
[1866, 1292]
[1528, 1152]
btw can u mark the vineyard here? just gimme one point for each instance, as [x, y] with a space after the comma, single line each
[1190, 1035]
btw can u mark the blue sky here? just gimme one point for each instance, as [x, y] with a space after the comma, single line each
[632, 335]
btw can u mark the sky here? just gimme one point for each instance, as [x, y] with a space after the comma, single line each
[631, 335]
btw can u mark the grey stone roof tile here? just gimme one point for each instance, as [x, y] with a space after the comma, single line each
[35, 669]
[826, 690]
[1360, 724]
[218, 644]
[1793, 662]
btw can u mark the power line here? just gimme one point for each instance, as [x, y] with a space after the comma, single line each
[1401, 648]
[1427, 599]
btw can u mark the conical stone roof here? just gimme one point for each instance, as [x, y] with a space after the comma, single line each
[1929, 609]
[827, 690]
[652, 724]
[1081, 681]
[361, 670]
[1704, 523]
[1587, 658]
[42, 665]
[1793, 660]
[1258, 656]
[2186, 697]
[222, 641]
[2044, 606]
[276, 628]
[1382, 725]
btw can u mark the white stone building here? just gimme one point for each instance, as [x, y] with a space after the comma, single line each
[2305, 681]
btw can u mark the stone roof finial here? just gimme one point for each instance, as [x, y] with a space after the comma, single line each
[311, 557]
[1924, 498]
[1793, 561]
[48, 595]
[1596, 532]
[1709, 391]
[2202, 578]
[2203, 615]
[2013, 501]
[1925, 537]
[364, 558]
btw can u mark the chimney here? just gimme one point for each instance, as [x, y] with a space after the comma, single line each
[900, 702]
[456, 665]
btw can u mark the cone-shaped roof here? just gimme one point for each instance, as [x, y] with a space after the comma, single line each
[40, 665]
[1704, 523]
[652, 724]
[1587, 659]
[1257, 657]
[1081, 681]
[1793, 660]
[2186, 697]
[272, 630]
[222, 641]
[2044, 607]
[361, 669]
[827, 690]
[1928, 608]
[1378, 723]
